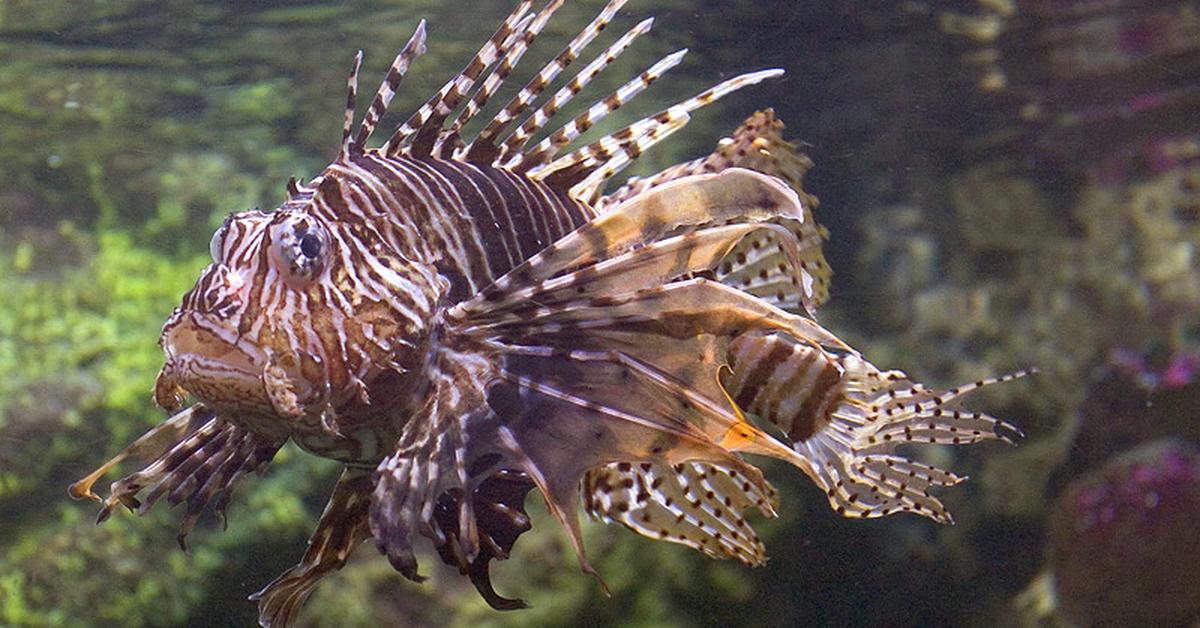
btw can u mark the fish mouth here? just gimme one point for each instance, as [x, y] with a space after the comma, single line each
[193, 339]
[215, 366]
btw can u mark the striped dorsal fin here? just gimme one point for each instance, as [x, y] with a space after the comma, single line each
[523, 38]
[387, 89]
[595, 163]
[757, 144]
[483, 148]
[426, 134]
[600, 160]
[417, 134]
[348, 118]
[545, 150]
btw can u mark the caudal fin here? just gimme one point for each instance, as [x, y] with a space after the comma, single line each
[847, 418]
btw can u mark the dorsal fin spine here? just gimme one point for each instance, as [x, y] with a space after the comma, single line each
[483, 148]
[600, 160]
[590, 187]
[293, 188]
[432, 138]
[387, 89]
[546, 149]
[348, 119]
[428, 119]
[505, 67]
[510, 151]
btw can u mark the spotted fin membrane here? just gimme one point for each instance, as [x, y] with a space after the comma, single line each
[696, 504]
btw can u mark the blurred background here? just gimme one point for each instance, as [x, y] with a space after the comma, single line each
[1008, 183]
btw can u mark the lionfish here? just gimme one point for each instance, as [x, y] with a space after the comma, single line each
[460, 321]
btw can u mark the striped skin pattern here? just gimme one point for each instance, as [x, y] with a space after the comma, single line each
[461, 320]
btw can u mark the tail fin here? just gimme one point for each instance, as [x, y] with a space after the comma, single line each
[846, 417]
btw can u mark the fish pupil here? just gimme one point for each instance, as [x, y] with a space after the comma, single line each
[310, 245]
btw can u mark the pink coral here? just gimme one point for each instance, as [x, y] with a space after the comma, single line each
[1179, 370]
[1123, 541]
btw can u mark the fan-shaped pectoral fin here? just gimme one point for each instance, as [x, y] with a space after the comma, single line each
[404, 499]
[449, 480]
[195, 457]
[148, 446]
[454, 491]
[561, 495]
[498, 518]
[343, 526]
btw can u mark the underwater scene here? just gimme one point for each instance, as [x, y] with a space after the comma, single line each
[560, 325]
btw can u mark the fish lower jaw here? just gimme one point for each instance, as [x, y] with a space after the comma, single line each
[228, 389]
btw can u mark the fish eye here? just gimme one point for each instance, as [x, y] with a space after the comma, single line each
[310, 245]
[299, 247]
[216, 244]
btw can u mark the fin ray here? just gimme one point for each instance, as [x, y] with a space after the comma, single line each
[510, 151]
[523, 39]
[423, 125]
[391, 82]
[697, 504]
[483, 148]
[199, 463]
[544, 150]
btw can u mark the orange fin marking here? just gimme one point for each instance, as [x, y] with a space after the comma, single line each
[741, 433]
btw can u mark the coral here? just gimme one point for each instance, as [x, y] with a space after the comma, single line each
[1061, 290]
[1180, 370]
[1127, 486]
[998, 210]
[1123, 541]
[1131, 404]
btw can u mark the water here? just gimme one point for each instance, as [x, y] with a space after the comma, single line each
[1005, 186]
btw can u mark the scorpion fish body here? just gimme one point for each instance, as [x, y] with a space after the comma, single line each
[460, 322]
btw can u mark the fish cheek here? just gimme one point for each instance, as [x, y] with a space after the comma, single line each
[214, 384]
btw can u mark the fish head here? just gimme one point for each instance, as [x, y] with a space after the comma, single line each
[300, 314]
